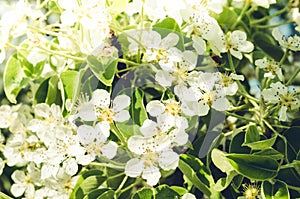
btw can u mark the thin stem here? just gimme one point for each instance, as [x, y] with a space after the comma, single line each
[101, 164]
[270, 16]
[121, 184]
[53, 52]
[4, 196]
[246, 6]
[293, 77]
[137, 182]
[273, 25]
[241, 117]
[117, 132]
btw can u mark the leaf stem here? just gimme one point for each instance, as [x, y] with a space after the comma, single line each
[293, 77]
[246, 6]
[4, 196]
[269, 16]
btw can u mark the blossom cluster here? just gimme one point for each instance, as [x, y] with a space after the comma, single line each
[184, 61]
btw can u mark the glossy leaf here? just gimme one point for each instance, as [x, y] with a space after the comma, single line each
[13, 79]
[83, 176]
[278, 190]
[137, 108]
[254, 166]
[197, 173]
[69, 80]
[223, 183]
[164, 191]
[145, 193]
[293, 147]
[96, 193]
[272, 153]
[219, 159]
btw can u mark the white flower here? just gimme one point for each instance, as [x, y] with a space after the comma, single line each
[156, 108]
[227, 81]
[237, 44]
[177, 72]
[100, 108]
[205, 90]
[203, 27]
[292, 42]
[95, 140]
[7, 116]
[271, 67]
[280, 95]
[2, 165]
[188, 196]
[153, 153]
[25, 182]
[263, 3]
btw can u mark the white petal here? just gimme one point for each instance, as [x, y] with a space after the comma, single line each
[134, 167]
[17, 189]
[202, 109]
[87, 134]
[121, 116]
[164, 78]
[149, 128]
[236, 54]
[68, 18]
[188, 196]
[221, 104]
[168, 160]
[42, 110]
[121, 102]
[18, 176]
[165, 122]
[151, 174]
[155, 108]
[86, 111]
[199, 45]
[246, 47]
[181, 138]
[109, 150]
[102, 129]
[70, 166]
[282, 113]
[191, 58]
[101, 98]
[169, 41]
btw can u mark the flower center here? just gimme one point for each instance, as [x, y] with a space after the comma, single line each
[106, 114]
[173, 108]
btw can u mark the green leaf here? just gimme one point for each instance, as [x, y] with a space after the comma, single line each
[267, 44]
[137, 109]
[96, 193]
[279, 190]
[223, 183]
[254, 166]
[261, 145]
[110, 194]
[252, 134]
[84, 175]
[69, 80]
[145, 193]
[293, 147]
[289, 176]
[197, 173]
[164, 191]
[13, 79]
[219, 159]
[41, 93]
[53, 94]
[167, 26]
[236, 144]
[227, 17]
[104, 69]
[180, 190]
[272, 153]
